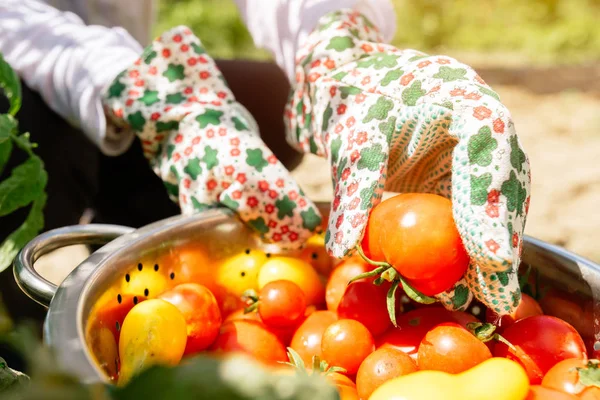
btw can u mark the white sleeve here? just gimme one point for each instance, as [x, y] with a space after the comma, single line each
[68, 63]
[281, 26]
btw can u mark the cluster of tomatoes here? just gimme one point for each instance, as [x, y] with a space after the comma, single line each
[302, 310]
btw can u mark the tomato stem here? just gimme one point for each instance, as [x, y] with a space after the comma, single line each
[391, 302]
[369, 274]
[414, 293]
[361, 253]
[486, 332]
[252, 307]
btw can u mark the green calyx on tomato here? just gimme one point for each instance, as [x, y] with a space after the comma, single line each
[486, 332]
[590, 374]
[319, 366]
[385, 272]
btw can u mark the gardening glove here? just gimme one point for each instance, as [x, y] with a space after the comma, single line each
[403, 121]
[203, 144]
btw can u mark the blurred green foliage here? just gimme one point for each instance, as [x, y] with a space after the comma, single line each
[558, 31]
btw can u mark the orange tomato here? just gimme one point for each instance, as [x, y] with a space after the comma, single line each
[537, 392]
[346, 343]
[307, 338]
[381, 366]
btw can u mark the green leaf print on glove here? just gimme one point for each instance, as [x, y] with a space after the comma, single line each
[413, 123]
[199, 141]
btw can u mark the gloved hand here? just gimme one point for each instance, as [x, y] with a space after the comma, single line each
[203, 144]
[408, 122]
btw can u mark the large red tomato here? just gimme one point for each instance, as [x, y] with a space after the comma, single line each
[366, 303]
[541, 342]
[416, 234]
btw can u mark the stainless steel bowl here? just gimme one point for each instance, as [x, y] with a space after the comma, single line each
[69, 304]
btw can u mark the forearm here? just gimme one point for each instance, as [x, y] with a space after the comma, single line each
[67, 62]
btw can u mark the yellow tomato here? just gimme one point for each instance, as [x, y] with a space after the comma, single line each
[493, 379]
[143, 280]
[315, 254]
[240, 273]
[154, 332]
[297, 271]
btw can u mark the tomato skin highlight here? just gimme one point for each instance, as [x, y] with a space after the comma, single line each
[381, 366]
[527, 308]
[537, 392]
[281, 304]
[366, 303]
[564, 377]
[451, 348]
[339, 278]
[541, 341]
[252, 338]
[307, 338]
[417, 235]
[346, 343]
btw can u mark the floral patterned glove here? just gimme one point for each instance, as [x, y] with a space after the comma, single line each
[403, 121]
[203, 144]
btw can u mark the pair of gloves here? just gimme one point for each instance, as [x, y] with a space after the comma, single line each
[386, 119]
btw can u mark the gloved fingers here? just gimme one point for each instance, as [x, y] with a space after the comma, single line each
[457, 298]
[498, 291]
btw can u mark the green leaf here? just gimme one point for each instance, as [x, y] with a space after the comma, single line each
[296, 360]
[391, 302]
[25, 184]
[11, 380]
[28, 230]
[11, 85]
[7, 127]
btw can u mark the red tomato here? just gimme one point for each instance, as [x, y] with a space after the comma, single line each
[381, 366]
[570, 309]
[413, 325]
[346, 343]
[201, 312]
[416, 234]
[307, 338]
[527, 308]
[564, 377]
[281, 304]
[366, 303]
[451, 348]
[537, 392]
[541, 341]
[241, 315]
[250, 337]
[339, 278]
[112, 314]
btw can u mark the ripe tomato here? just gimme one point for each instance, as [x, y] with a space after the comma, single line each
[527, 308]
[143, 280]
[240, 272]
[366, 303]
[346, 343]
[451, 348]
[413, 325]
[316, 255]
[201, 312]
[416, 234]
[381, 366]
[346, 388]
[537, 392]
[591, 393]
[570, 309]
[297, 271]
[541, 341]
[252, 338]
[187, 264]
[241, 315]
[339, 278]
[307, 338]
[112, 314]
[564, 376]
[281, 304]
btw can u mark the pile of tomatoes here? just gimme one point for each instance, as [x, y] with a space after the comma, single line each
[300, 311]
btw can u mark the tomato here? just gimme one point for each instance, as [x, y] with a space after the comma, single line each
[201, 312]
[366, 303]
[541, 342]
[413, 325]
[348, 393]
[591, 393]
[564, 377]
[381, 366]
[416, 234]
[240, 272]
[241, 315]
[315, 254]
[187, 264]
[570, 309]
[307, 338]
[346, 343]
[537, 392]
[143, 280]
[338, 380]
[154, 332]
[112, 314]
[297, 271]
[527, 308]
[339, 278]
[451, 348]
[252, 338]
[281, 304]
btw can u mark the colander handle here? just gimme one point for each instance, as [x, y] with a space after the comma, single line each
[30, 281]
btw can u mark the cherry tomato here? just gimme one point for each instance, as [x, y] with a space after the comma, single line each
[240, 273]
[366, 303]
[451, 348]
[143, 280]
[527, 308]
[416, 234]
[241, 315]
[188, 264]
[381, 366]
[338, 380]
[537, 392]
[112, 314]
[307, 338]
[414, 325]
[316, 255]
[346, 343]
[591, 393]
[281, 304]
[201, 312]
[348, 393]
[297, 271]
[541, 342]
[339, 278]
[250, 337]
[564, 376]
